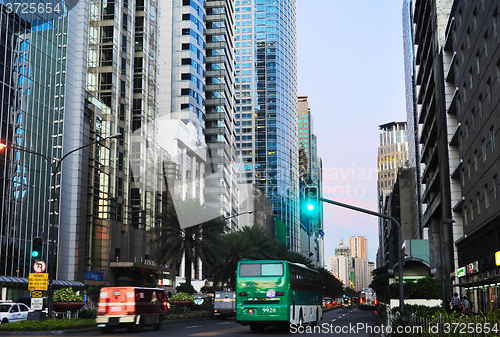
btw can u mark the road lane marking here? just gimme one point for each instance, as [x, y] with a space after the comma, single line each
[193, 326]
[221, 332]
[225, 323]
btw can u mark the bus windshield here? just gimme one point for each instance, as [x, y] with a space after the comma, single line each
[261, 269]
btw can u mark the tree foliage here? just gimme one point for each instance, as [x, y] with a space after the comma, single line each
[424, 288]
[173, 242]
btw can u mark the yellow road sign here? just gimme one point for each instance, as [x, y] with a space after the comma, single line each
[36, 293]
[38, 281]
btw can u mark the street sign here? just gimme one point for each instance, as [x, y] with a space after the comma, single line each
[37, 303]
[36, 293]
[38, 281]
[39, 267]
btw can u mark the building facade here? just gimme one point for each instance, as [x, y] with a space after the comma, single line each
[266, 105]
[471, 57]
[429, 22]
[32, 66]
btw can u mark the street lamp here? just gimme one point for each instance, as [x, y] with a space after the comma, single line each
[54, 166]
[232, 216]
[445, 250]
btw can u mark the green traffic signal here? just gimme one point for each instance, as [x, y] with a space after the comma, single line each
[36, 248]
[311, 198]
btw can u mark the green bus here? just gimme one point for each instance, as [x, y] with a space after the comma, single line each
[277, 293]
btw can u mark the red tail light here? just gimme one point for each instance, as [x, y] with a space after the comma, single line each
[375, 302]
[242, 294]
[130, 312]
[215, 310]
[280, 293]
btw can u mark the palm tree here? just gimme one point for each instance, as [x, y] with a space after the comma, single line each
[249, 243]
[173, 240]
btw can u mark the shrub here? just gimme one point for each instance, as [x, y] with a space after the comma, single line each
[182, 297]
[87, 313]
[66, 295]
[52, 324]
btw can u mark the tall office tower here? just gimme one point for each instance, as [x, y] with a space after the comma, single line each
[359, 254]
[471, 56]
[310, 175]
[339, 266]
[32, 107]
[221, 180]
[392, 154]
[412, 118]
[110, 190]
[429, 21]
[359, 247]
[266, 105]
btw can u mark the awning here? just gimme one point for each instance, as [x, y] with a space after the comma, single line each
[478, 283]
[21, 282]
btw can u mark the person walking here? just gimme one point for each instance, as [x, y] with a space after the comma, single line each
[466, 306]
[455, 303]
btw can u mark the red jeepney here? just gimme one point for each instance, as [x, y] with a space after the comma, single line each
[131, 307]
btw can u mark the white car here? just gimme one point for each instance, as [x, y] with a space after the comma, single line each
[13, 312]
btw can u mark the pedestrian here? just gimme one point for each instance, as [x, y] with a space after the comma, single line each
[455, 303]
[466, 306]
[448, 306]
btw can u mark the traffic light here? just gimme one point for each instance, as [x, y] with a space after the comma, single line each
[36, 248]
[311, 200]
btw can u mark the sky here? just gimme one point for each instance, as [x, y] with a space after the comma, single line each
[351, 67]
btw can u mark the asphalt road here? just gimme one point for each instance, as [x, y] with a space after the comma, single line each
[350, 321]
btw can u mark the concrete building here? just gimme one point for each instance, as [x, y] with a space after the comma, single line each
[429, 21]
[359, 254]
[412, 118]
[471, 57]
[339, 266]
[266, 105]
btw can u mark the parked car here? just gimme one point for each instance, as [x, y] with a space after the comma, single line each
[199, 299]
[13, 312]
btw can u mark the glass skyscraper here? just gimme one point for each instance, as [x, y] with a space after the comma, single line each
[266, 105]
[32, 66]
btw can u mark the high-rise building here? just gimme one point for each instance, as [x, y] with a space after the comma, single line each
[471, 57]
[266, 105]
[359, 247]
[111, 191]
[32, 80]
[221, 180]
[310, 175]
[392, 154]
[430, 19]
[339, 266]
[359, 253]
[412, 118]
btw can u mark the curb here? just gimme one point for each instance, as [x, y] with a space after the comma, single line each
[90, 329]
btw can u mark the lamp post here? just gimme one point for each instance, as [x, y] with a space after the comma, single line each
[400, 243]
[54, 166]
[446, 253]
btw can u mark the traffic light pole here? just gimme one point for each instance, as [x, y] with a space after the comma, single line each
[400, 243]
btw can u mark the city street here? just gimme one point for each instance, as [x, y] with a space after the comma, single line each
[341, 321]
